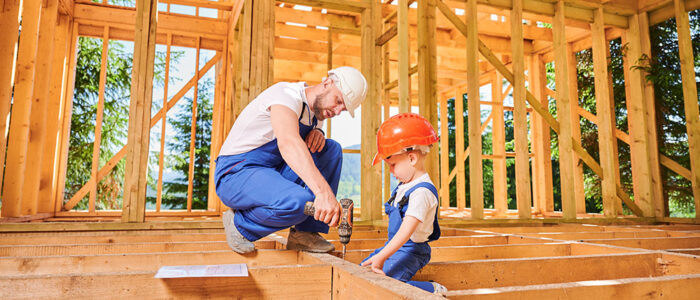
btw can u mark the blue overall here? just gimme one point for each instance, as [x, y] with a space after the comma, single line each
[411, 257]
[266, 194]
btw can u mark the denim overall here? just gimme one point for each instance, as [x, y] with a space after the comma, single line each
[411, 257]
[266, 194]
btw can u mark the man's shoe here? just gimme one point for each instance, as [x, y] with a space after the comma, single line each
[236, 241]
[439, 288]
[308, 241]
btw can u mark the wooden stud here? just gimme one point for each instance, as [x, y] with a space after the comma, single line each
[444, 155]
[542, 163]
[476, 185]
[427, 75]
[690, 96]
[604, 108]
[637, 116]
[522, 149]
[387, 113]
[18, 140]
[657, 186]
[329, 63]
[9, 21]
[371, 69]
[161, 154]
[459, 149]
[193, 132]
[566, 160]
[404, 62]
[134, 203]
[40, 98]
[98, 123]
[246, 43]
[49, 171]
[579, 193]
[500, 179]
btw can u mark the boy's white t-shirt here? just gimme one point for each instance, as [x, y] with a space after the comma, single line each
[421, 205]
[253, 127]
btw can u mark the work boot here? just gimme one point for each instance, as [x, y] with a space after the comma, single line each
[308, 241]
[236, 241]
[439, 288]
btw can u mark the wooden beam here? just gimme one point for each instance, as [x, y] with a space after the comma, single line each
[690, 96]
[18, 141]
[427, 75]
[404, 62]
[638, 118]
[313, 281]
[673, 287]
[476, 185]
[40, 99]
[508, 272]
[520, 124]
[660, 243]
[459, 148]
[91, 249]
[350, 6]
[134, 203]
[604, 108]
[579, 191]
[9, 21]
[566, 160]
[444, 154]
[541, 144]
[371, 69]
[500, 179]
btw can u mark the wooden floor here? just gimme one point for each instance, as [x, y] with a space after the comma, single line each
[571, 261]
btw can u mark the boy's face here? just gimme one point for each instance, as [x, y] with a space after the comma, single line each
[403, 165]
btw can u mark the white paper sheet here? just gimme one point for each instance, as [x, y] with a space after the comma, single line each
[230, 270]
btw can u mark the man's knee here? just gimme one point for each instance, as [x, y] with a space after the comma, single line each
[333, 148]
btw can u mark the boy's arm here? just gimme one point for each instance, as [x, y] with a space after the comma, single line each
[408, 226]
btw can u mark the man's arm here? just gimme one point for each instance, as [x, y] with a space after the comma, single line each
[296, 154]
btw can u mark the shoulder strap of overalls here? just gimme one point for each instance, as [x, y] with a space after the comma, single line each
[313, 122]
[436, 227]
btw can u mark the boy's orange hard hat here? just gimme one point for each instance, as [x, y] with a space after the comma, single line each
[402, 131]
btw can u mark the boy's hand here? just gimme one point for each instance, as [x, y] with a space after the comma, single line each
[376, 263]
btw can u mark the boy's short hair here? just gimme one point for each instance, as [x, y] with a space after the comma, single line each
[424, 149]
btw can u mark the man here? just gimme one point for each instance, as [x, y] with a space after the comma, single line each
[275, 159]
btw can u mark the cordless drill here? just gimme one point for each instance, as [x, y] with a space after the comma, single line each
[345, 225]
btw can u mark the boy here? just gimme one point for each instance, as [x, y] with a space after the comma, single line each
[403, 142]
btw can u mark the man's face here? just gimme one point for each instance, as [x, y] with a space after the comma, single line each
[329, 103]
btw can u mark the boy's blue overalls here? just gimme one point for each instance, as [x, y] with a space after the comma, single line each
[266, 194]
[411, 257]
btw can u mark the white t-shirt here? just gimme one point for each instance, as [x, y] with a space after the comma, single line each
[421, 205]
[253, 127]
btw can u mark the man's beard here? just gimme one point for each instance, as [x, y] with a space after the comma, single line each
[316, 107]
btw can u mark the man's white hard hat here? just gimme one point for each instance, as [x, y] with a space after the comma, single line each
[352, 84]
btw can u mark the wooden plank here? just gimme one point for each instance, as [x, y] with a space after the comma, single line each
[566, 160]
[161, 154]
[542, 163]
[650, 110]
[350, 6]
[444, 154]
[371, 69]
[367, 244]
[123, 262]
[134, 203]
[508, 272]
[92, 249]
[690, 96]
[40, 98]
[522, 149]
[313, 281]
[500, 179]
[459, 148]
[404, 62]
[98, 123]
[476, 185]
[193, 132]
[675, 167]
[650, 243]
[673, 287]
[579, 192]
[427, 76]
[18, 141]
[598, 235]
[636, 111]
[604, 108]
[459, 253]
[59, 72]
[387, 35]
[9, 21]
